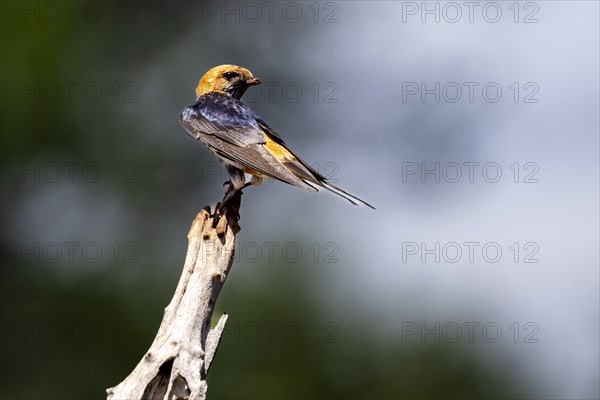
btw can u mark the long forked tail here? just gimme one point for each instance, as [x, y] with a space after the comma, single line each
[299, 169]
[340, 192]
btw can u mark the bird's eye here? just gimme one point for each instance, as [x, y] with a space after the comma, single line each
[230, 75]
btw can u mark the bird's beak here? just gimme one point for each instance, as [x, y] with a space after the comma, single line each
[253, 81]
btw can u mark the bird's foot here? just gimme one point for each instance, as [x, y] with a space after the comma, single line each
[229, 208]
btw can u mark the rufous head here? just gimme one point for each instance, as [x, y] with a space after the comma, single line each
[228, 79]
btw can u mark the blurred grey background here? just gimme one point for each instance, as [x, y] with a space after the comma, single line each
[472, 127]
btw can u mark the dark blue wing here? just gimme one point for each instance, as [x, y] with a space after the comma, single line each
[226, 118]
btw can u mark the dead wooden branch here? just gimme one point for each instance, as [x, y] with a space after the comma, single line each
[176, 365]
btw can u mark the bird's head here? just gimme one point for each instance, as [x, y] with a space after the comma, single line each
[229, 79]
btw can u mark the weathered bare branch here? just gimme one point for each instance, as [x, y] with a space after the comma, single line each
[176, 365]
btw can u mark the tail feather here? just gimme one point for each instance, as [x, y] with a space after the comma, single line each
[306, 174]
[342, 193]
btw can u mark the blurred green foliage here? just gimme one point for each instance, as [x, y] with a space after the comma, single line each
[77, 338]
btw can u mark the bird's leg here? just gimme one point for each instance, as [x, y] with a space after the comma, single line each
[231, 191]
[254, 181]
[227, 212]
[234, 191]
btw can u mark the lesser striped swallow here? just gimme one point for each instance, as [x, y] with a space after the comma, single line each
[241, 140]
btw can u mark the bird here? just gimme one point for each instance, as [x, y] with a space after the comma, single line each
[243, 142]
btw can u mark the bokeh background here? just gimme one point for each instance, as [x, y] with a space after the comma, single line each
[476, 285]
